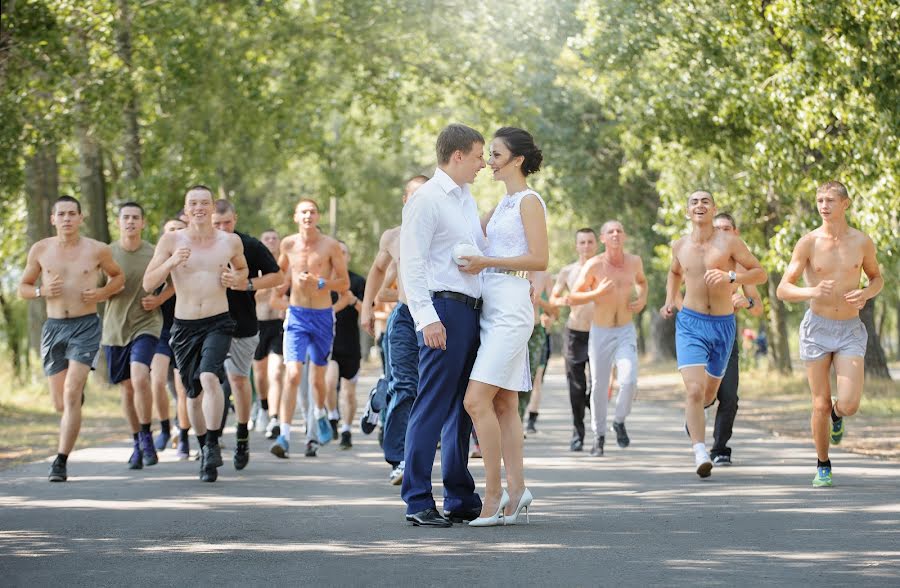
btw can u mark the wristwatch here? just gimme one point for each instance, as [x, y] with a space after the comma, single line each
[249, 285]
[37, 291]
[321, 283]
[750, 302]
[732, 276]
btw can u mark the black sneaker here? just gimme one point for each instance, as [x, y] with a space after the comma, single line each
[208, 471]
[530, 429]
[577, 444]
[241, 454]
[597, 449]
[57, 471]
[136, 461]
[334, 429]
[621, 436]
[312, 448]
[722, 460]
[214, 457]
[345, 441]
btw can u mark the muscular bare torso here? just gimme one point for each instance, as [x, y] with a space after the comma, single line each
[840, 260]
[198, 280]
[695, 258]
[612, 309]
[579, 316]
[312, 258]
[77, 267]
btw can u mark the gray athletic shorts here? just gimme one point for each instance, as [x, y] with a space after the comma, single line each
[240, 355]
[71, 339]
[820, 336]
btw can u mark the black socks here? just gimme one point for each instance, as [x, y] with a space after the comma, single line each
[62, 458]
[183, 434]
[212, 436]
[834, 417]
[165, 426]
[264, 404]
[824, 464]
[201, 439]
[242, 432]
[135, 436]
[145, 427]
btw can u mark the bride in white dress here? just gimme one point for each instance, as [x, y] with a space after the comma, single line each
[516, 231]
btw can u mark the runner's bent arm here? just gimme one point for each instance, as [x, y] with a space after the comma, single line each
[788, 290]
[162, 264]
[30, 275]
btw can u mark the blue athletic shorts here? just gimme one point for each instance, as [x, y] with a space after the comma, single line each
[162, 347]
[704, 339]
[119, 359]
[308, 330]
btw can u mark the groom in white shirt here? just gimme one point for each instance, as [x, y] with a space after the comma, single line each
[444, 304]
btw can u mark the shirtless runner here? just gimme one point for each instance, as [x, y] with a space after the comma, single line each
[316, 267]
[831, 258]
[609, 280]
[708, 261]
[577, 330]
[69, 267]
[203, 262]
[268, 361]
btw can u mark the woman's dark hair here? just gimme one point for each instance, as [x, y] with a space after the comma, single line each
[520, 142]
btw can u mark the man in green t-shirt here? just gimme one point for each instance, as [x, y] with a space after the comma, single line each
[131, 327]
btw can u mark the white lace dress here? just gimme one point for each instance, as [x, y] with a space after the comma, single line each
[507, 316]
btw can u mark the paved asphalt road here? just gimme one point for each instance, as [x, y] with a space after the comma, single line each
[636, 517]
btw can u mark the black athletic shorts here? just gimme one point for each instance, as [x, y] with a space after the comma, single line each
[200, 346]
[271, 339]
[348, 364]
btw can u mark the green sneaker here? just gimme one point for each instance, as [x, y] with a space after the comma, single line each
[837, 431]
[823, 477]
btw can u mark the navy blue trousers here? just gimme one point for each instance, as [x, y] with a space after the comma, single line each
[402, 369]
[438, 413]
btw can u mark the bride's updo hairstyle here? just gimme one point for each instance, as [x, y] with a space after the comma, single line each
[520, 142]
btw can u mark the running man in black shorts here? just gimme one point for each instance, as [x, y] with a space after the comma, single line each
[268, 361]
[68, 266]
[203, 262]
[343, 367]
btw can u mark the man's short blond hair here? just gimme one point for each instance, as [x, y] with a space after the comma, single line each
[834, 187]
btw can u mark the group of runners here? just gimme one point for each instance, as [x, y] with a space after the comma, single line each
[289, 311]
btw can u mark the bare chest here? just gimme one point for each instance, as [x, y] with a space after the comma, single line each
[697, 258]
[831, 259]
[73, 265]
[204, 258]
[309, 258]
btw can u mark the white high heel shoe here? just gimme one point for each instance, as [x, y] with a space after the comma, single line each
[495, 520]
[524, 503]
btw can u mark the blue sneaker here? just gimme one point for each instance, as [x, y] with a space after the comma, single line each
[280, 447]
[162, 440]
[184, 449]
[837, 431]
[324, 429]
[148, 449]
[823, 477]
[136, 461]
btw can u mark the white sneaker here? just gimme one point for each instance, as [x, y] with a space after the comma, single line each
[261, 420]
[397, 474]
[703, 463]
[273, 429]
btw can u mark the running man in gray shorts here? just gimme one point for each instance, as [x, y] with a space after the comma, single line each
[614, 281]
[831, 259]
[68, 266]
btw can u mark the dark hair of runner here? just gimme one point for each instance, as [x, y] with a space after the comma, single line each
[727, 217]
[835, 188]
[456, 137]
[131, 204]
[520, 142]
[224, 206]
[586, 230]
[66, 198]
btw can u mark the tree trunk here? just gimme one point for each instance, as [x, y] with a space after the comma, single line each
[897, 352]
[93, 185]
[662, 334]
[132, 166]
[779, 351]
[875, 361]
[641, 338]
[41, 190]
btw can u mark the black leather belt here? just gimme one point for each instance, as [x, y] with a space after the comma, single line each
[467, 300]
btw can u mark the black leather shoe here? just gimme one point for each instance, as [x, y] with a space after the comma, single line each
[462, 516]
[429, 517]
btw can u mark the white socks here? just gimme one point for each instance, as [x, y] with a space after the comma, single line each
[286, 432]
[333, 415]
[700, 453]
[345, 428]
[319, 413]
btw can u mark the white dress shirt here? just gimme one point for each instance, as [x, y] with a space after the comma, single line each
[439, 216]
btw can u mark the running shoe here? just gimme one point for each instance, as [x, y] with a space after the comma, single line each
[837, 431]
[703, 463]
[259, 423]
[214, 455]
[57, 471]
[334, 429]
[183, 451]
[323, 427]
[162, 440]
[241, 454]
[823, 477]
[280, 447]
[722, 460]
[397, 474]
[577, 444]
[273, 429]
[312, 448]
[147, 448]
[530, 428]
[208, 471]
[346, 443]
[136, 461]
[597, 449]
[622, 439]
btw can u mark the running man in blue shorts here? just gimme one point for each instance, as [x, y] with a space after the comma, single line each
[831, 259]
[708, 262]
[316, 266]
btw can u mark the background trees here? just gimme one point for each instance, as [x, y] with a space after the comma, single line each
[635, 104]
